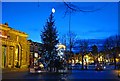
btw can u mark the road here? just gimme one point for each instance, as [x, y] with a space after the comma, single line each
[86, 75]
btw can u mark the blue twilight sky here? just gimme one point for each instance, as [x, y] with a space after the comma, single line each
[30, 17]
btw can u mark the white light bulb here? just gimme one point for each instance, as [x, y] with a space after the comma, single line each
[53, 10]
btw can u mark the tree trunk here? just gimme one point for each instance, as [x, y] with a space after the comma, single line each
[115, 62]
[82, 62]
[50, 61]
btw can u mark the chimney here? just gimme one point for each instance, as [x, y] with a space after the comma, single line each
[6, 23]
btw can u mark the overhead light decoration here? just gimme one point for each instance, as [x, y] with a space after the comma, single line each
[61, 48]
[53, 10]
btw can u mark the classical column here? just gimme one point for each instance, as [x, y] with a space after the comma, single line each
[20, 55]
[13, 55]
[16, 56]
[0, 53]
[7, 55]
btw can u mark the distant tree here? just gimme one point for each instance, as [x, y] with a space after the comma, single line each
[111, 46]
[107, 47]
[49, 39]
[94, 49]
[83, 50]
[95, 52]
[116, 39]
[72, 39]
[69, 40]
[116, 47]
[63, 39]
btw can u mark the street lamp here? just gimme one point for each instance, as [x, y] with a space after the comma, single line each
[70, 31]
[119, 55]
[70, 42]
[53, 10]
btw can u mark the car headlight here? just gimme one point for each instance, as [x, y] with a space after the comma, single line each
[104, 67]
[39, 71]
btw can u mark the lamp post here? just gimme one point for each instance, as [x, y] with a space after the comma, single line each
[82, 57]
[70, 35]
[53, 10]
[119, 67]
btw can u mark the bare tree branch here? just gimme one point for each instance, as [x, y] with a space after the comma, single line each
[69, 6]
[75, 8]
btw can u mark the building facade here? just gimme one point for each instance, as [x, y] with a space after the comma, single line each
[15, 47]
[35, 52]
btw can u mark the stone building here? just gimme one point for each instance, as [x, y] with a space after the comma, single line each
[15, 47]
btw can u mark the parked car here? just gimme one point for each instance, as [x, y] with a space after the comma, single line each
[99, 67]
[37, 69]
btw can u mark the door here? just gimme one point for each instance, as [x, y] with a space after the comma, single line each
[11, 52]
[3, 56]
[16, 56]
